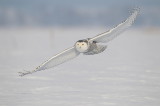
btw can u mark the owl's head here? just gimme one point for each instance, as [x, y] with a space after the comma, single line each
[82, 46]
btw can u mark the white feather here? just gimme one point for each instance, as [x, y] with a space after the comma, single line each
[60, 58]
[111, 34]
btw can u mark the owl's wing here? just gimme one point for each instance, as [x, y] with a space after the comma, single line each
[60, 58]
[111, 34]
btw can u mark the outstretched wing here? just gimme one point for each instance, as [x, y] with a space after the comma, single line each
[111, 34]
[60, 58]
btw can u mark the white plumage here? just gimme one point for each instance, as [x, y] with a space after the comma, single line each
[88, 46]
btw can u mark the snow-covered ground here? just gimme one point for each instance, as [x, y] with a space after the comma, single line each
[126, 74]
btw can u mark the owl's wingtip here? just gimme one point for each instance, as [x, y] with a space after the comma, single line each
[21, 74]
[135, 10]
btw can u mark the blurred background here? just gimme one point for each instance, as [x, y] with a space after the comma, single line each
[42, 13]
[126, 74]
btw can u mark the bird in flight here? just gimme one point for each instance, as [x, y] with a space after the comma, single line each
[89, 46]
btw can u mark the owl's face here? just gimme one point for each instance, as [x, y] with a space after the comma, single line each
[82, 46]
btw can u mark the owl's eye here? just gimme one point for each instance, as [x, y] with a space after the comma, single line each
[82, 44]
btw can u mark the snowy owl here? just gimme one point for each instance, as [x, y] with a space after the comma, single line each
[89, 46]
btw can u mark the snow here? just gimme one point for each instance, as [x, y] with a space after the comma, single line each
[126, 74]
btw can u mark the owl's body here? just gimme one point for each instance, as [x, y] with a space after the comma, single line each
[88, 46]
